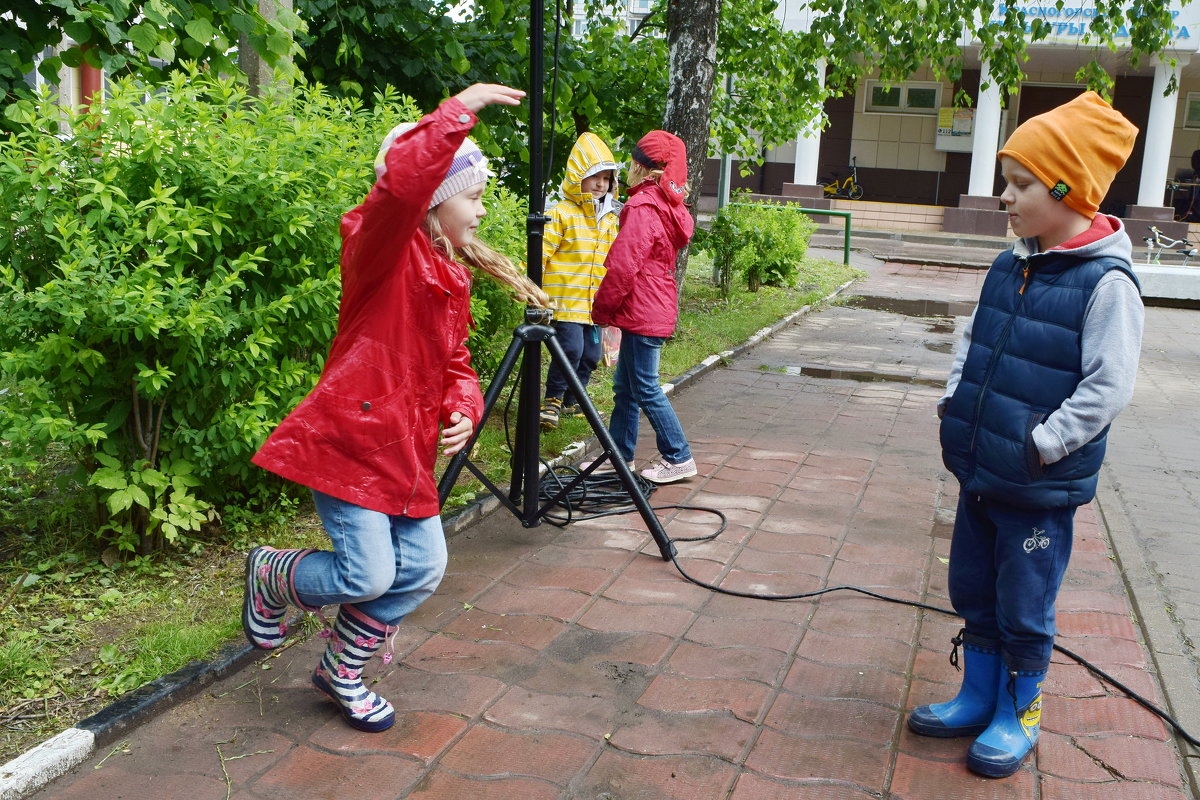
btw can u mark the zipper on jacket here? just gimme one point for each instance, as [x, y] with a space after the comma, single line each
[1026, 272]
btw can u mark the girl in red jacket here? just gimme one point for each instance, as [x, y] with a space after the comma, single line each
[366, 438]
[639, 296]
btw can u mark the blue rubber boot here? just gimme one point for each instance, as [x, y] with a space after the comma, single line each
[999, 750]
[972, 709]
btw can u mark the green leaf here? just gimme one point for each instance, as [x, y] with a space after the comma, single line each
[120, 500]
[194, 48]
[139, 496]
[165, 50]
[79, 31]
[72, 57]
[108, 479]
[21, 112]
[157, 12]
[199, 29]
[145, 37]
[279, 43]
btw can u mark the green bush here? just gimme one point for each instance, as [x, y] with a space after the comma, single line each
[168, 270]
[762, 241]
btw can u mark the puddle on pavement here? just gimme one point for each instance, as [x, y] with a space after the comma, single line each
[941, 327]
[862, 376]
[940, 347]
[913, 308]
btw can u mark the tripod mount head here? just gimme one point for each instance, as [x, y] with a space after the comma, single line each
[538, 316]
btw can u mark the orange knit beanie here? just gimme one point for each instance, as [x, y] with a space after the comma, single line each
[1075, 150]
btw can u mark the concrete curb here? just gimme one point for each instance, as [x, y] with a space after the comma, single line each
[1161, 635]
[36, 767]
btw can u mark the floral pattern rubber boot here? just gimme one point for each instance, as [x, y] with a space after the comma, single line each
[269, 592]
[353, 639]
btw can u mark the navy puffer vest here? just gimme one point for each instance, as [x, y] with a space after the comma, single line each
[1024, 361]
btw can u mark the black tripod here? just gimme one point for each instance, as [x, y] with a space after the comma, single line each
[527, 342]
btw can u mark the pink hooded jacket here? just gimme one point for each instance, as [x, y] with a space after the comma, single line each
[638, 293]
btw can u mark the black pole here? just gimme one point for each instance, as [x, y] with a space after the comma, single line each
[526, 456]
[527, 342]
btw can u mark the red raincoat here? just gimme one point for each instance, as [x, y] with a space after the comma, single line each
[638, 293]
[399, 365]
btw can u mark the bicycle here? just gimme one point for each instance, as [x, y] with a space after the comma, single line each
[1158, 241]
[849, 188]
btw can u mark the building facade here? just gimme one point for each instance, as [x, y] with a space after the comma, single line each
[913, 148]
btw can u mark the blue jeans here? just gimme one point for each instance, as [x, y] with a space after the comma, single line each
[581, 345]
[636, 389]
[385, 566]
[1006, 567]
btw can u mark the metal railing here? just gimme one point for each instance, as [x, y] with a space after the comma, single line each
[845, 215]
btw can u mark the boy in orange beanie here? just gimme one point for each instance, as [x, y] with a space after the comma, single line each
[1045, 364]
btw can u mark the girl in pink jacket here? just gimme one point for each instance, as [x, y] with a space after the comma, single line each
[639, 296]
[366, 438]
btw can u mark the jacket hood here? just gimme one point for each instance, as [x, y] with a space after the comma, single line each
[589, 156]
[1105, 239]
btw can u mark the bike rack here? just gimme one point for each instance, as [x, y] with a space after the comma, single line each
[845, 215]
[1158, 242]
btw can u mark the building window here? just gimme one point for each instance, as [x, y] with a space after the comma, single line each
[1191, 117]
[903, 98]
[640, 6]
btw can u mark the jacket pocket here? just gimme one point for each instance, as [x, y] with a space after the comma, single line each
[1033, 459]
[359, 405]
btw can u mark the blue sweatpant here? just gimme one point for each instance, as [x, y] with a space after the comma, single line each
[1006, 567]
[581, 346]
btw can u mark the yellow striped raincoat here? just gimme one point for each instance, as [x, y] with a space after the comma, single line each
[579, 233]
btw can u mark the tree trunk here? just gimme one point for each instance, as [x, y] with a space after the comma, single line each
[691, 64]
[258, 72]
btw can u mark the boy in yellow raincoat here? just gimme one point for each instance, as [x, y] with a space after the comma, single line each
[577, 237]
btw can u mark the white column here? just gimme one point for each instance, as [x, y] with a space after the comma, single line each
[808, 143]
[984, 143]
[1160, 129]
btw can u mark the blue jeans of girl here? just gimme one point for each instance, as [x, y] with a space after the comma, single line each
[636, 390]
[581, 345]
[1006, 567]
[385, 566]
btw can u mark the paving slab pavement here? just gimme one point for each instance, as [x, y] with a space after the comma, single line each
[574, 663]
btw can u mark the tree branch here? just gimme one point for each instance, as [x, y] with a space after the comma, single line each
[137, 420]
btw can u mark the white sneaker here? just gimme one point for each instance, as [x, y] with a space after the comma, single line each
[607, 466]
[663, 471]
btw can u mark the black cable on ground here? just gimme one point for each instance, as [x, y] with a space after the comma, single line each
[601, 494]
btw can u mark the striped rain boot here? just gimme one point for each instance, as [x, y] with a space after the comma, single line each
[971, 710]
[999, 750]
[355, 637]
[269, 591]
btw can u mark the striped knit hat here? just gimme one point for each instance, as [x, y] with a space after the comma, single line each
[468, 168]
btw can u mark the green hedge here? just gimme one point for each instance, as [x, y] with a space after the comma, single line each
[168, 271]
[763, 242]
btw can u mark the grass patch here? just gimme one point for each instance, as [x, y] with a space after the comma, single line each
[78, 629]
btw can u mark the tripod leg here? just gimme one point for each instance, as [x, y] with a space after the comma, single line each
[624, 474]
[526, 457]
[489, 401]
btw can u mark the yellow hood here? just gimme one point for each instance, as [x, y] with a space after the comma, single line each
[589, 156]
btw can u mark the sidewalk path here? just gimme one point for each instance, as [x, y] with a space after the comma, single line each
[574, 663]
[1150, 499]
